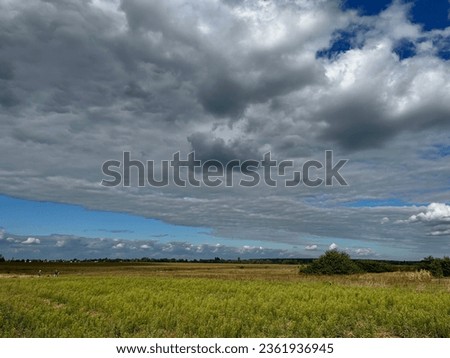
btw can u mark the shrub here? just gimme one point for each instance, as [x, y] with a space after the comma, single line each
[333, 262]
[437, 267]
[425, 264]
[445, 263]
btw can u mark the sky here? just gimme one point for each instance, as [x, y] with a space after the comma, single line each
[83, 81]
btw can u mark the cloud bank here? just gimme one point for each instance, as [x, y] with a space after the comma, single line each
[83, 81]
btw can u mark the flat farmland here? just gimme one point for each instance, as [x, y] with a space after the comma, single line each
[216, 300]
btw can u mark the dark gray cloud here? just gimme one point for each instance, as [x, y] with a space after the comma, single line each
[228, 96]
[210, 148]
[6, 70]
[224, 97]
[119, 231]
[358, 123]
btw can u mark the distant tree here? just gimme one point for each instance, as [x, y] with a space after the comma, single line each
[425, 264]
[2, 259]
[437, 267]
[445, 263]
[333, 262]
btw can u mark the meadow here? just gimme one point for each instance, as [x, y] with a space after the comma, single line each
[216, 300]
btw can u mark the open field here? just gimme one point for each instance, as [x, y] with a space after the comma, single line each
[216, 300]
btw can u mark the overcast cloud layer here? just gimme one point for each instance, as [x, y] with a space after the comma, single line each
[83, 81]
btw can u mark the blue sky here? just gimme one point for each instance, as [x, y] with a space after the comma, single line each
[81, 83]
[27, 217]
[431, 14]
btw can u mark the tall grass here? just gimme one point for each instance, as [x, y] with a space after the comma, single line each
[160, 306]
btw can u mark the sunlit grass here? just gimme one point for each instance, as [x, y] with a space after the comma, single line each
[271, 302]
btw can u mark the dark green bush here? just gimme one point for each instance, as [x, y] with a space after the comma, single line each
[333, 262]
[437, 267]
[445, 263]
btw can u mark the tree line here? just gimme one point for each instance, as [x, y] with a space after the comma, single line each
[335, 262]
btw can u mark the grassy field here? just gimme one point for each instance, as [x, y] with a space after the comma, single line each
[216, 300]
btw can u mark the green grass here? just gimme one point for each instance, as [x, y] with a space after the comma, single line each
[203, 301]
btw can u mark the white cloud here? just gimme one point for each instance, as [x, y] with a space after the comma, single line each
[31, 241]
[333, 246]
[435, 212]
[394, 23]
[385, 220]
[311, 247]
[60, 243]
[83, 247]
[440, 232]
[363, 252]
[435, 215]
